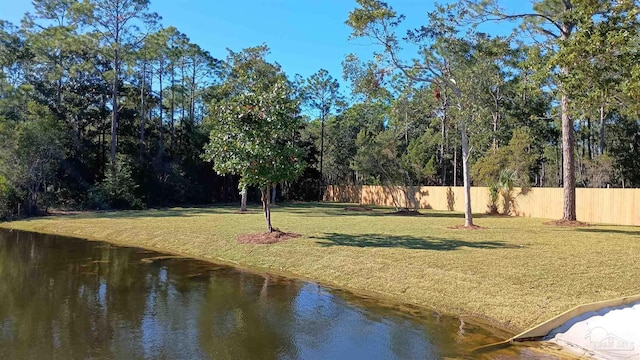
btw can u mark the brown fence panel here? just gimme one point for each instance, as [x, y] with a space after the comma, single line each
[609, 206]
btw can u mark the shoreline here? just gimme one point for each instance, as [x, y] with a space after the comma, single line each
[507, 278]
[381, 298]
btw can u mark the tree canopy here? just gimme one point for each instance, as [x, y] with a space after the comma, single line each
[102, 106]
[254, 126]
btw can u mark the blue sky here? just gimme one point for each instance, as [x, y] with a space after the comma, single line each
[304, 35]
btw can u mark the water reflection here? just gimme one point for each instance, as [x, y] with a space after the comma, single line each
[66, 298]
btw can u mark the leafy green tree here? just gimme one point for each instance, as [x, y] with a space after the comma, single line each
[117, 28]
[445, 60]
[342, 133]
[420, 157]
[564, 27]
[321, 93]
[117, 189]
[253, 129]
[31, 159]
[518, 157]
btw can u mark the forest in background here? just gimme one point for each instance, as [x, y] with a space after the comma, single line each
[103, 108]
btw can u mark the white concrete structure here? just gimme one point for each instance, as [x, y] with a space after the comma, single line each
[611, 333]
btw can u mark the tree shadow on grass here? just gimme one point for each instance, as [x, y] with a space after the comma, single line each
[407, 242]
[609, 231]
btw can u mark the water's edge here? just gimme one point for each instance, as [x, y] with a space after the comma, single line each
[381, 298]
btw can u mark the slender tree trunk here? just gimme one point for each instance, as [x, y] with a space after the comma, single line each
[192, 100]
[114, 102]
[243, 200]
[602, 118]
[150, 115]
[468, 216]
[589, 152]
[142, 107]
[173, 98]
[182, 90]
[443, 134]
[321, 185]
[455, 165]
[160, 124]
[568, 139]
[496, 118]
[568, 161]
[59, 95]
[266, 207]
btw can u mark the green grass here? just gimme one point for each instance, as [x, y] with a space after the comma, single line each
[515, 273]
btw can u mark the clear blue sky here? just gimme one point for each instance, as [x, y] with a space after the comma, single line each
[304, 35]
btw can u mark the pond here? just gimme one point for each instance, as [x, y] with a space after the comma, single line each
[65, 298]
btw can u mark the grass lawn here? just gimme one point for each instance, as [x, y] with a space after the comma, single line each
[515, 273]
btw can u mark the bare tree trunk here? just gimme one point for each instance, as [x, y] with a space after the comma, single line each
[568, 161]
[173, 98]
[142, 105]
[182, 106]
[114, 102]
[443, 134]
[589, 152]
[151, 93]
[192, 100]
[602, 118]
[496, 117]
[321, 184]
[266, 207]
[468, 216]
[243, 200]
[455, 166]
[161, 135]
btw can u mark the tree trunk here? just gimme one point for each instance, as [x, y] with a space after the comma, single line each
[142, 109]
[192, 95]
[468, 216]
[589, 152]
[266, 207]
[568, 161]
[602, 117]
[182, 105]
[321, 184]
[243, 200]
[455, 165]
[496, 118]
[150, 115]
[443, 133]
[114, 102]
[173, 98]
[161, 135]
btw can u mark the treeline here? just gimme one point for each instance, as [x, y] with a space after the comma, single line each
[553, 104]
[102, 107]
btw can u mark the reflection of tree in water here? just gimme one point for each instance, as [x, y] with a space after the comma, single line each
[71, 298]
[407, 332]
[332, 322]
[246, 316]
[66, 298]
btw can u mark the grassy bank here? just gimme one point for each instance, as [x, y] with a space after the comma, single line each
[516, 272]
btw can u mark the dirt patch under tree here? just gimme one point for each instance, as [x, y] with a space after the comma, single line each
[266, 238]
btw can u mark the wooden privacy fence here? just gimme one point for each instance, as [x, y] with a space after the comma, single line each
[609, 206]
